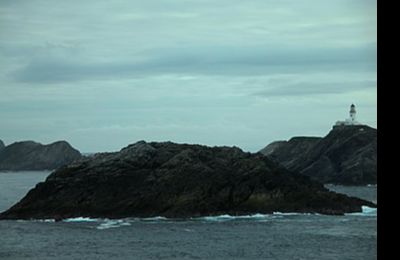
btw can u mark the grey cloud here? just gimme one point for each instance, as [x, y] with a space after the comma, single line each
[246, 60]
[182, 69]
[317, 88]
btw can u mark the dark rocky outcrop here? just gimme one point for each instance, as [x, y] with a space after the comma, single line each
[347, 155]
[286, 152]
[176, 180]
[1, 145]
[29, 155]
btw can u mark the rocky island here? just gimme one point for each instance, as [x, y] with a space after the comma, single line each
[33, 156]
[347, 155]
[176, 180]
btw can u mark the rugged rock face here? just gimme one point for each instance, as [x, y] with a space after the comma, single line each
[347, 155]
[29, 155]
[1, 145]
[176, 180]
[286, 151]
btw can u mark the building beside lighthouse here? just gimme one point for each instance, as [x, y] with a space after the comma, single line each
[351, 120]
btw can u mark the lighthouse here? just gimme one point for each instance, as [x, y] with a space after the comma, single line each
[349, 121]
[353, 113]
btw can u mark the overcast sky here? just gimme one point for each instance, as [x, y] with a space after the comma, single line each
[103, 74]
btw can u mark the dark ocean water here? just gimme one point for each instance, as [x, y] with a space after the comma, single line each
[277, 236]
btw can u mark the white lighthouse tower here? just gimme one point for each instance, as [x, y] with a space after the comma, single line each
[353, 113]
[349, 121]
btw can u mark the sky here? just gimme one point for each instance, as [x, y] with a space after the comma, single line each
[104, 74]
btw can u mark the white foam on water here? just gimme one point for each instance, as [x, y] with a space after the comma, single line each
[226, 217]
[366, 211]
[50, 220]
[154, 218]
[115, 223]
[81, 219]
[289, 213]
[277, 213]
[216, 218]
[256, 217]
[259, 215]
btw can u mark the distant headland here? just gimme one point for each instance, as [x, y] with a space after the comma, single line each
[347, 155]
[33, 156]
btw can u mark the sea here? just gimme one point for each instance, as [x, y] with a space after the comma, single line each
[258, 236]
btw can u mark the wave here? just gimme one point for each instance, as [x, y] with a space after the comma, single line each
[113, 224]
[256, 217]
[293, 214]
[366, 211]
[230, 217]
[154, 218]
[81, 219]
[48, 220]
[105, 223]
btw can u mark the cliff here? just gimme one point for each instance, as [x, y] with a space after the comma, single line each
[176, 180]
[287, 152]
[347, 155]
[29, 155]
